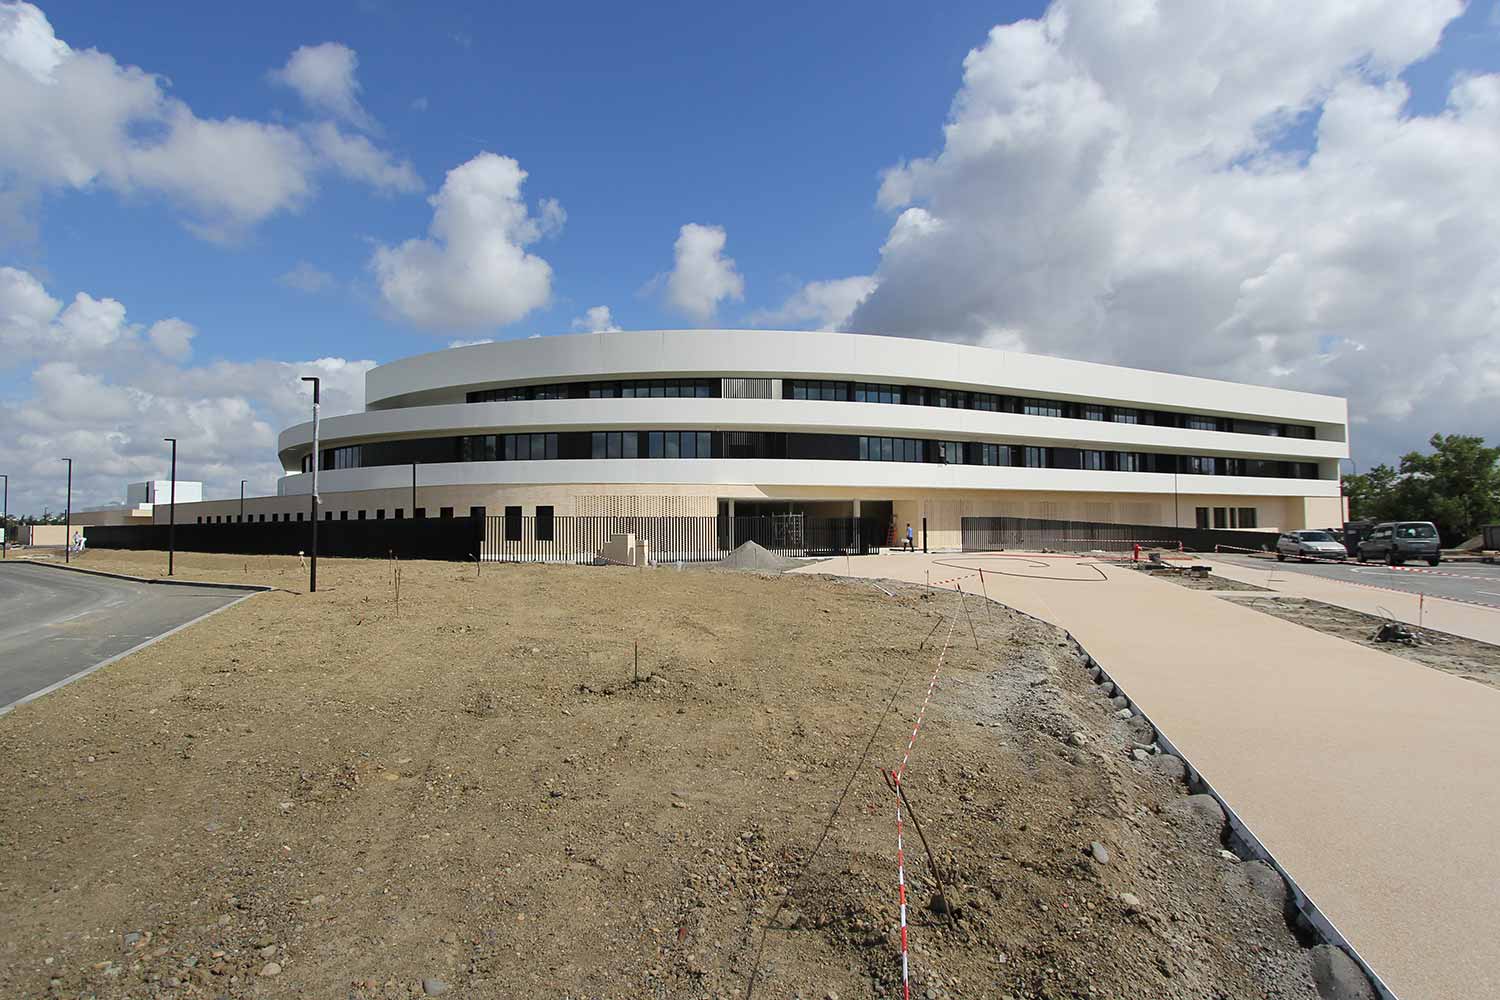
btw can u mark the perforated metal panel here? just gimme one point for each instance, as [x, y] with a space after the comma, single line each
[636, 505]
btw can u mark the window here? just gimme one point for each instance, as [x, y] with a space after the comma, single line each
[512, 524]
[1129, 461]
[263, 519]
[477, 513]
[1041, 408]
[1201, 519]
[876, 393]
[343, 515]
[342, 458]
[986, 401]
[1122, 415]
[873, 449]
[275, 518]
[1299, 431]
[445, 512]
[1034, 458]
[655, 444]
[1415, 531]
[328, 515]
[1093, 460]
[200, 518]
[299, 516]
[1195, 423]
[307, 463]
[419, 512]
[380, 513]
[951, 452]
[989, 454]
[400, 513]
[544, 524]
[1092, 411]
[806, 389]
[361, 515]
[953, 398]
[1221, 517]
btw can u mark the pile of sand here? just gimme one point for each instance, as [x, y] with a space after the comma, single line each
[752, 558]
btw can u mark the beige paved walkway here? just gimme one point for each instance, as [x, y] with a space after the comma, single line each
[1373, 780]
[1437, 613]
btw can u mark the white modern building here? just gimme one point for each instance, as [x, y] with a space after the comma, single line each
[711, 422]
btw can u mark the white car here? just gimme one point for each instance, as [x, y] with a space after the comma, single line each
[1309, 545]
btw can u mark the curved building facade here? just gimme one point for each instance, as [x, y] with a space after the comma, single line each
[830, 424]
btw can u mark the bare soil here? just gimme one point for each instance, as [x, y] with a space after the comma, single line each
[1454, 654]
[1210, 582]
[328, 795]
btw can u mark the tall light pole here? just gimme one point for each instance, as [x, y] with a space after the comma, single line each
[242, 501]
[414, 489]
[5, 519]
[172, 510]
[312, 584]
[68, 517]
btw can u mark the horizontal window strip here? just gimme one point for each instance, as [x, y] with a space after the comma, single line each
[696, 444]
[834, 390]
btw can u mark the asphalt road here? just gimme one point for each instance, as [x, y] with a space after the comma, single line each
[1476, 583]
[55, 623]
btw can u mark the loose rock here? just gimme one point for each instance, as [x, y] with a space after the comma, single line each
[1337, 976]
[271, 969]
[1100, 852]
[434, 987]
[1131, 902]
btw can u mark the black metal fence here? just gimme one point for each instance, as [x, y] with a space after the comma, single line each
[989, 534]
[449, 538]
[581, 539]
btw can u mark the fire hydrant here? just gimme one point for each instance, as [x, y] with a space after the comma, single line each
[1135, 555]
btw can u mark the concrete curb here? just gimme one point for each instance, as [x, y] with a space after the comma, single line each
[7, 709]
[253, 587]
[1240, 833]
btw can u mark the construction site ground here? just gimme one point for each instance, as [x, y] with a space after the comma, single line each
[473, 792]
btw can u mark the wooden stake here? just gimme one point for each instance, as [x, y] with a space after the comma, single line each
[974, 635]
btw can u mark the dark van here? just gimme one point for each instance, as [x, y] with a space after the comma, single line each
[1397, 541]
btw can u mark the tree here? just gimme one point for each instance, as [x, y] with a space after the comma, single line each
[1458, 484]
[1457, 487]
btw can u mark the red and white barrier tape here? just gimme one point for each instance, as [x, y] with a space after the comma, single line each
[900, 846]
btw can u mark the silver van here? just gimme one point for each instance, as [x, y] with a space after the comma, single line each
[1397, 541]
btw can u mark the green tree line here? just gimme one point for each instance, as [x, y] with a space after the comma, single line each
[1456, 487]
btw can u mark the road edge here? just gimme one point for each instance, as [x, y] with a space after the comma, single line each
[7, 709]
[254, 587]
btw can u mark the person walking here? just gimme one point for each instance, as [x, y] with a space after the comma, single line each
[909, 547]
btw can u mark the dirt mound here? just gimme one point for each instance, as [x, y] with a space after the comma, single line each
[752, 558]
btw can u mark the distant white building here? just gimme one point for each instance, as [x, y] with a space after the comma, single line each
[156, 491]
[141, 500]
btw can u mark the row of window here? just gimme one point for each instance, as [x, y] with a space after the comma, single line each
[1227, 517]
[908, 395]
[652, 388]
[398, 514]
[768, 444]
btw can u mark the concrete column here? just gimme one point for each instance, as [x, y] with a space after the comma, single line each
[856, 508]
[731, 523]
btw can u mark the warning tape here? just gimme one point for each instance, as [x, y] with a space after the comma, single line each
[900, 846]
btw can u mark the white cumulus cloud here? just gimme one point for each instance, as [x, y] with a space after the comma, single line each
[595, 319]
[823, 305]
[74, 119]
[472, 270]
[1122, 182]
[701, 275]
[104, 391]
[324, 77]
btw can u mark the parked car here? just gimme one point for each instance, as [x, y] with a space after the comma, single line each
[1309, 544]
[1398, 541]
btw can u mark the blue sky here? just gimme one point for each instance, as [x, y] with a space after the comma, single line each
[1253, 190]
[774, 126]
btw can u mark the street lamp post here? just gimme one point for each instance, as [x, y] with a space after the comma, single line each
[172, 510]
[68, 517]
[242, 501]
[5, 519]
[312, 583]
[414, 489]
